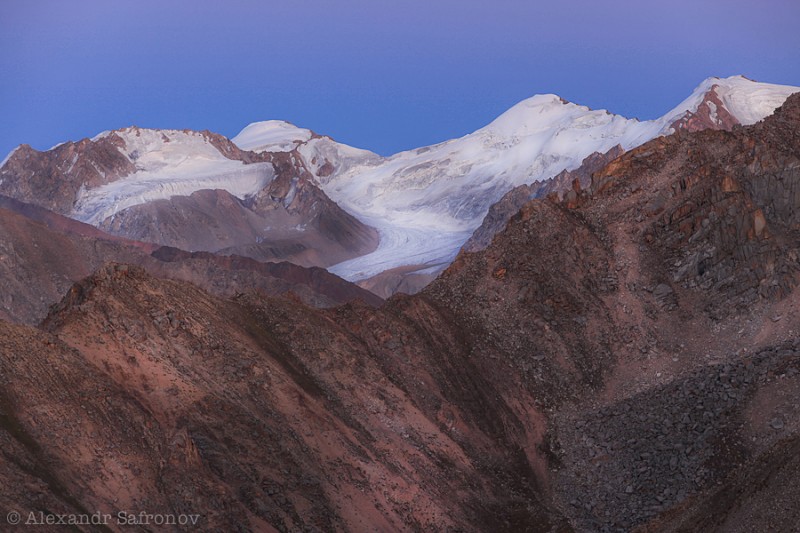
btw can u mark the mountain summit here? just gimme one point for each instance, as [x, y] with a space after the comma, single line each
[427, 202]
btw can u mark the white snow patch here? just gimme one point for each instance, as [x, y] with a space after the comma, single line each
[72, 162]
[750, 101]
[95, 205]
[320, 152]
[712, 112]
[316, 151]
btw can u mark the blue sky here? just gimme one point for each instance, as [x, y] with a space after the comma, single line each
[378, 74]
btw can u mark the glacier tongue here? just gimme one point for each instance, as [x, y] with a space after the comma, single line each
[427, 202]
[421, 244]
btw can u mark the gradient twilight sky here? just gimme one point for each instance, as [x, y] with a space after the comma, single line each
[378, 74]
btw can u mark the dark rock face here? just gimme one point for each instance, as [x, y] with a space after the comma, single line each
[52, 179]
[562, 183]
[312, 285]
[724, 217]
[643, 456]
[575, 375]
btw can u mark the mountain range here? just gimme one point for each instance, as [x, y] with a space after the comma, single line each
[603, 335]
[279, 192]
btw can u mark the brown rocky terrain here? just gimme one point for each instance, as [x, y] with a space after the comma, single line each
[289, 219]
[559, 185]
[625, 359]
[42, 254]
[52, 179]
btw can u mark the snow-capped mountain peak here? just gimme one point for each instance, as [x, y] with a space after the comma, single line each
[323, 156]
[537, 111]
[724, 102]
[272, 136]
[426, 202]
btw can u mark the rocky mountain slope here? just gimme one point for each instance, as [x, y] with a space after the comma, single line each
[42, 254]
[559, 185]
[191, 190]
[624, 359]
[709, 112]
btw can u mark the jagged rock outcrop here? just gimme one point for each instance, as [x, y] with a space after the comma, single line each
[721, 213]
[710, 114]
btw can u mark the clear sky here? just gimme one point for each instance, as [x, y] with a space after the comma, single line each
[377, 74]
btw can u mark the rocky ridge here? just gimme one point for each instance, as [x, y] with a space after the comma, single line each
[624, 358]
[42, 254]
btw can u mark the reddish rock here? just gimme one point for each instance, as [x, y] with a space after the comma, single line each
[710, 114]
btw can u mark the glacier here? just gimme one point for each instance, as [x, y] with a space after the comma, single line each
[169, 163]
[426, 202]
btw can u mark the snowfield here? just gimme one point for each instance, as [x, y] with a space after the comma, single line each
[169, 163]
[97, 204]
[423, 244]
